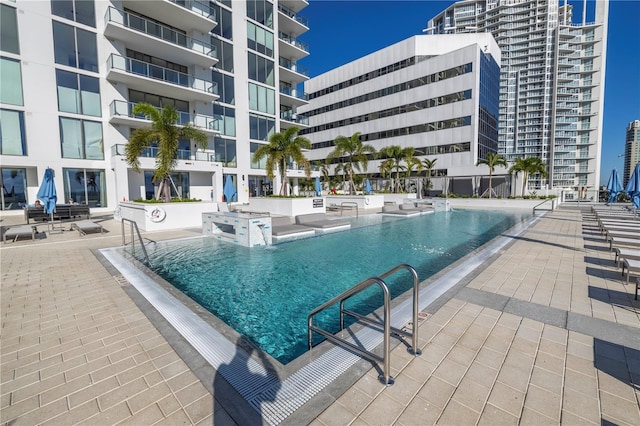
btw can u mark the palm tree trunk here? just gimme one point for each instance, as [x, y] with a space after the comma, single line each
[490, 187]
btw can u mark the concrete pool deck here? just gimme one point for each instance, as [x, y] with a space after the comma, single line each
[545, 333]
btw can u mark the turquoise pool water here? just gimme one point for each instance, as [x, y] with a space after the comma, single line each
[266, 294]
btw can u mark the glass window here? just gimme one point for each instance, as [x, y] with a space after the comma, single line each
[79, 94]
[260, 127]
[14, 188]
[261, 69]
[259, 39]
[81, 139]
[225, 54]
[225, 87]
[262, 164]
[10, 82]
[225, 119]
[85, 186]
[225, 151]
[224, 27]
[180, 183]
[260, 11]
[262, 99]
[81, 11]
[83, 54]
[8, 30]
[12, 140]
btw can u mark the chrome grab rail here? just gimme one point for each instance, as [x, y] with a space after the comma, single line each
[134, 224]
[385, 378]
[349, 204]
[544, 202]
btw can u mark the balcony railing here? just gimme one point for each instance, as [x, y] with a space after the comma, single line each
[290, 91]
[152, 152]
[286, 63]
[122, 108]
[293, 15]
[293, 41]
[145, 69]
[294, 118]
[158, 31]
[197, 7]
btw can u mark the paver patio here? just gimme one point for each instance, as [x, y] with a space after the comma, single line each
[546, 333]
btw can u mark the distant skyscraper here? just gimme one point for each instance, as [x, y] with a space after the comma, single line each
[631, 150]
[551, 84]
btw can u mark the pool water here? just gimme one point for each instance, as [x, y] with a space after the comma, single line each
[266, 293]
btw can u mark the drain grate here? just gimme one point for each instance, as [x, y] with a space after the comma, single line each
[120, 279]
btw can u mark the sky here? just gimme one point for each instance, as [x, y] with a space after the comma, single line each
[341, 31]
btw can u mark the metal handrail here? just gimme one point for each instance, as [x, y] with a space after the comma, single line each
[385, 378]
[134, 224]
[545, 201]
[350, 204]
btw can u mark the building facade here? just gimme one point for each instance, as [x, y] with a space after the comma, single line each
[631, 150]
[551, 83]
[71, 72]
[437, 94]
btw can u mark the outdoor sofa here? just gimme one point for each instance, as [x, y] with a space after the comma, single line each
[319, 221]
[62, 211]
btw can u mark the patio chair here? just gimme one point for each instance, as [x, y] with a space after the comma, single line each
[16, 232]
[85, 226]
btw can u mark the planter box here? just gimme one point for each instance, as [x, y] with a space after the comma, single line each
[363, 201]
[161, 216]
[288, 206]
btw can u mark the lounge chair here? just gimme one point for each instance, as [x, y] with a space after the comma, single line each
[86, 226]
[283, 226]
[320, 222]
[631, 266]
[16, 232]
[625, 253]
[395, 211]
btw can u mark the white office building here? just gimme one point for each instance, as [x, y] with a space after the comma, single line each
[551, 84]
[437, 94]
[71, 72]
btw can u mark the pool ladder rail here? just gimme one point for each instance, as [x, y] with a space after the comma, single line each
[133, 226]
[388, 330]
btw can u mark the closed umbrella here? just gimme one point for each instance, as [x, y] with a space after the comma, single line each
[47, 192]
[367, 187]
[318, 187]
[229, 190]
[614, 186]
[633, 187]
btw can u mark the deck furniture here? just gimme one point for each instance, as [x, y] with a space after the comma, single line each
[85, 226]
[62, 211]
[16, 232]
[631, 266]
[283, 226]
[320, 221]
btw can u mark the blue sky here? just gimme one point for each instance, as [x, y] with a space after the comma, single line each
[342, 31]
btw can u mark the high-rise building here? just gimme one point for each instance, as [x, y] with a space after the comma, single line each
[631, 150]
[551, 83]
[71, 72]
[436, 94]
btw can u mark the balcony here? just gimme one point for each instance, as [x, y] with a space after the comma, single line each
[161, 81]
[120, 113]
[181, 154]
[291, 22]
[185, 14]
[157, 40]
[291, 47]
[289, 96]
[292, 72]
[289, 118]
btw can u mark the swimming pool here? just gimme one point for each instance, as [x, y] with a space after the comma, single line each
[266, 294]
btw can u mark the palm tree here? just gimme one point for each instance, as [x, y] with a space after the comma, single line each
[429, 165]
[395, 156]
[354, 153]
[528, 166]
[165, 134]
[493, 160]
[281, 147]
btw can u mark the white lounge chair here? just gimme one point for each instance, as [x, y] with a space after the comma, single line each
[16, 232]
[86, 226]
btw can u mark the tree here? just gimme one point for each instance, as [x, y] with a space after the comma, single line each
[281, 147]
[353, 152]
[165, 135]
[528, 166]
[492, 161]
[429, 165]
[395, 155]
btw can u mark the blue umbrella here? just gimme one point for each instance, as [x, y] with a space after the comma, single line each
[47, 192]
[318, 187]
[633, 187]
[229, 190]
[367, 187]
[614, 186]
